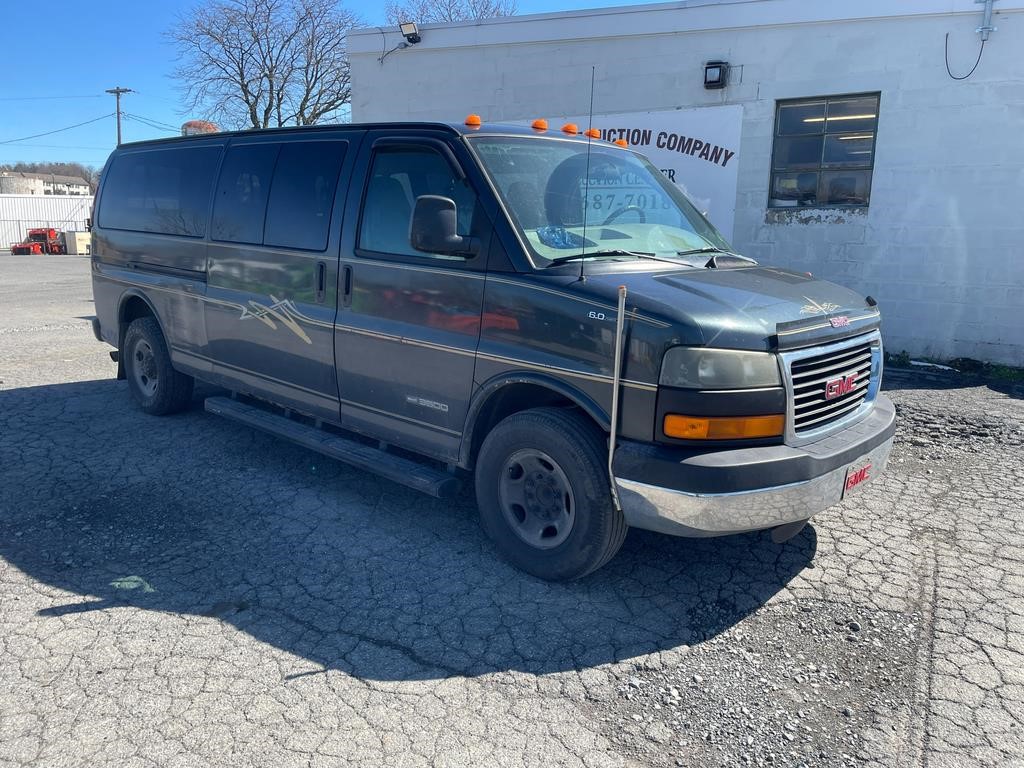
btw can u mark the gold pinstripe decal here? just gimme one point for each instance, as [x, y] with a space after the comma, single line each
[468, 274]
[400, 417]
[646, 386]
[564, 294]
[250, 372]
[506, 281]
[568, 372]
[259, 375]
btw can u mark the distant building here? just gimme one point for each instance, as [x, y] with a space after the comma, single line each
[23, 183]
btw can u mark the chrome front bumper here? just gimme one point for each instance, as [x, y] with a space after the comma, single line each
[697, 514]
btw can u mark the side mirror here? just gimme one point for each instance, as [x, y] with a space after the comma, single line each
[434, 228]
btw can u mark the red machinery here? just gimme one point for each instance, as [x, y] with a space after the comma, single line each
[38, 242]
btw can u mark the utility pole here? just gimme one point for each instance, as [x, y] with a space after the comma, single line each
[117, 94]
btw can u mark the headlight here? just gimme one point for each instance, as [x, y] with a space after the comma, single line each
[701, 368]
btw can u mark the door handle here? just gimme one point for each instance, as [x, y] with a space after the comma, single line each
[321, 281]
[346, 282]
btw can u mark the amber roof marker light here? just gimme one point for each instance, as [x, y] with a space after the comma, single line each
[474, 121]
[620, 143]
[540, 124]
[592, 133]
[571, 128]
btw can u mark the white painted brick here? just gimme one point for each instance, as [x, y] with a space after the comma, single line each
[942, 245]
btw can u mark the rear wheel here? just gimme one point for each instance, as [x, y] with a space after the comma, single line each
[152, 380]
[542, 488]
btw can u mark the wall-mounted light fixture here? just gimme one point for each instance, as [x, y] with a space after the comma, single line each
[410, 32]
[716, 74]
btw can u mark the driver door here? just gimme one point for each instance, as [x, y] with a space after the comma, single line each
[409, 322]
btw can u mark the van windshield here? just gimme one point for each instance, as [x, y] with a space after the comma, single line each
[624, 206]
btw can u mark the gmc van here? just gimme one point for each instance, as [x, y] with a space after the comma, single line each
[539, 310]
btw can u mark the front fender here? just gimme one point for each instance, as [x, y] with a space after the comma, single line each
[494, 385]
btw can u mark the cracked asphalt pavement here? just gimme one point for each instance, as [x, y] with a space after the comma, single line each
[188, 592]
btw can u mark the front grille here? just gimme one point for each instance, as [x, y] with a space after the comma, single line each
[814, 378]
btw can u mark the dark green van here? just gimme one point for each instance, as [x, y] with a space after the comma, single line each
[544, 315]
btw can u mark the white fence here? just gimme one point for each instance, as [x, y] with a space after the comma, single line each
[19, 213]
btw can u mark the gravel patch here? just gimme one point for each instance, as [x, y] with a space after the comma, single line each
[801, 684]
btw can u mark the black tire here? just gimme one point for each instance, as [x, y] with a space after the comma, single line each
[563, 446]
[154, 384]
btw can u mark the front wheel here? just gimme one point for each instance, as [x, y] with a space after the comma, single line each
[542, 488]
[152, 380]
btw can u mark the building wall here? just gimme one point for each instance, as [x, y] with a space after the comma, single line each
[942, 244]
[19, 213]
[63, 188]
[20, 185]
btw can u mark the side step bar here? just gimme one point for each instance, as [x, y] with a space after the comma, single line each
[419, 477]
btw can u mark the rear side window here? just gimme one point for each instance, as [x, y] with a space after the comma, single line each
[163, 190]
[302, 194]
[240, 206]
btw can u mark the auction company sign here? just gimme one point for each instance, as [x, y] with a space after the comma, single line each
[697, 148]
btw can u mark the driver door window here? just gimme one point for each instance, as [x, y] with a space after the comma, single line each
[398, 176]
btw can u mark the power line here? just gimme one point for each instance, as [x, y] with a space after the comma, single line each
[50, 98]
[117, 96]
[151, 126]
[151, 122]
[58, 130]
[64, 146]
[80, 160]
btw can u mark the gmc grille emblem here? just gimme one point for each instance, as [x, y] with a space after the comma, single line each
[838, 387]
[839, 321]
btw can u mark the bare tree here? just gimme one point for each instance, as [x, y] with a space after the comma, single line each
[263, 63]
[428, 11]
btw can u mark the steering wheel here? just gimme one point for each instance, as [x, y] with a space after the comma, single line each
[616, 213]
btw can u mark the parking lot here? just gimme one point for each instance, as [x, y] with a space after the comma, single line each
[188, 592]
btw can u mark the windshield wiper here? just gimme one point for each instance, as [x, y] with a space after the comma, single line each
[601, 254]
[705, 249]
[713, 263]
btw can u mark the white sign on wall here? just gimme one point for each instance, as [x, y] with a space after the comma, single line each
[698, 149]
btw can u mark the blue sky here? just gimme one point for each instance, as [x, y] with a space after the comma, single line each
[105, 43]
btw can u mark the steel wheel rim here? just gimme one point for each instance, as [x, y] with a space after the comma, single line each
[144, 370]
[536, 498]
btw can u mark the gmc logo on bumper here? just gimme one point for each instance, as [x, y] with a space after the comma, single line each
[838, 387]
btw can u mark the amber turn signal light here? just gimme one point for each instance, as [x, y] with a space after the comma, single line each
[723, 427]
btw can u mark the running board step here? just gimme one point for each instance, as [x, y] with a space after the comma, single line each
[419, 477]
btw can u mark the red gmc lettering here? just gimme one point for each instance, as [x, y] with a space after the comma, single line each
[858, 477]
[841, 386]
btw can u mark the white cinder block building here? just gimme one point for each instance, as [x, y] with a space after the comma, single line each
[857, 154]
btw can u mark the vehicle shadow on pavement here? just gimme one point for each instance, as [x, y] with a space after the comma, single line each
[197, 516]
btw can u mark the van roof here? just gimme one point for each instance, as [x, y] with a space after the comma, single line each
[458, 129]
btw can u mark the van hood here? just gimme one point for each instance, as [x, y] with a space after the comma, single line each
[760, 308]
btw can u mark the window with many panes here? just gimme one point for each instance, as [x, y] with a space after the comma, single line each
[824, 151]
